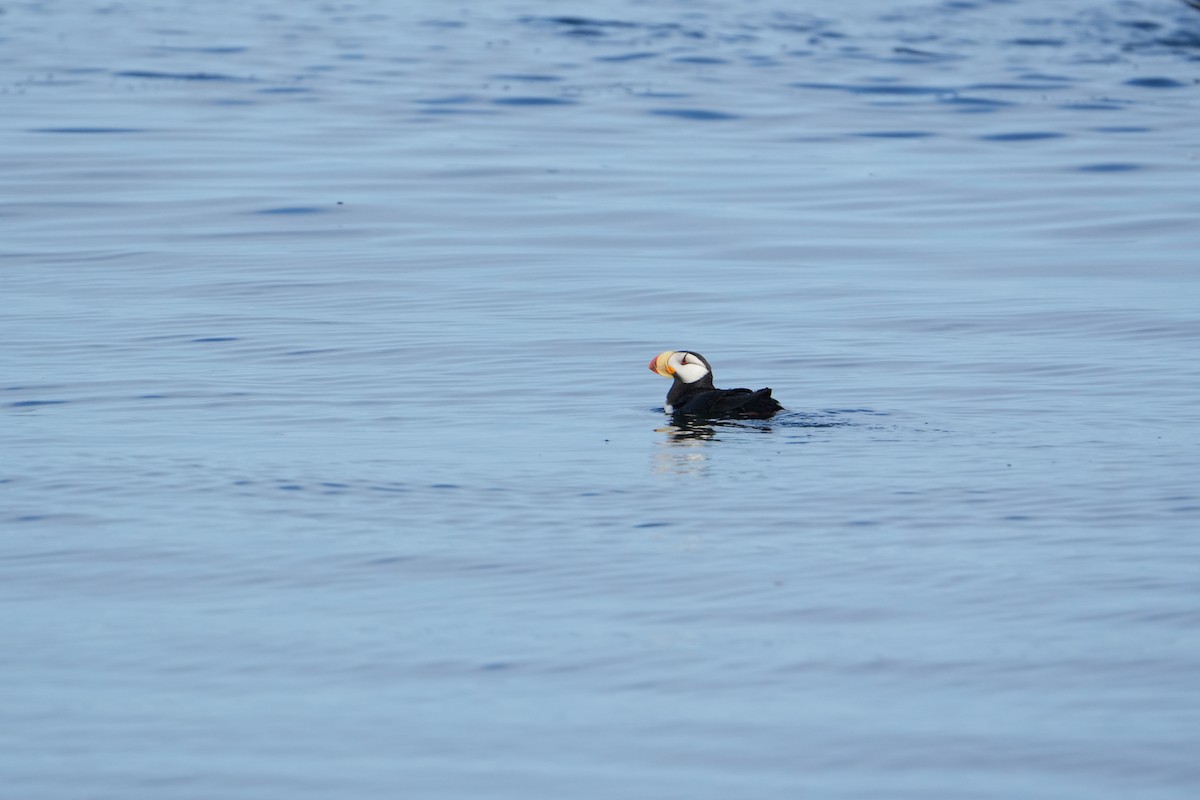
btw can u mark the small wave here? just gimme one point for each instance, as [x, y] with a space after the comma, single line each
[694, 114]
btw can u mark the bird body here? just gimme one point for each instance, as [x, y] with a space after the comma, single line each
[693, 391]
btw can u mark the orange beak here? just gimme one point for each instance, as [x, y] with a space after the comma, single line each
[659, 364]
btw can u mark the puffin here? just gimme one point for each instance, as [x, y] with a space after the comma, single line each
[693, 391]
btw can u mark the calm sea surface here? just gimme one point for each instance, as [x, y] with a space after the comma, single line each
[330, 465]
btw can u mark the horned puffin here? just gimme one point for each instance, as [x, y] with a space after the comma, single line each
[693, 392]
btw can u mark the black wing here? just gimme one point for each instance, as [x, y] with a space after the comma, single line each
[731, 403]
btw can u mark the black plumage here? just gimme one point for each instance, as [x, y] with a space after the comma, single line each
[701, 398]
[689, 399]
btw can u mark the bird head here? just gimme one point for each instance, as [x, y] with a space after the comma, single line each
[682, 365]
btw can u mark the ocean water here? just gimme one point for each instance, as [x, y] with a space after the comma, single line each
[331, 466]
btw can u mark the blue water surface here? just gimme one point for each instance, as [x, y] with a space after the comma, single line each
[331, 465]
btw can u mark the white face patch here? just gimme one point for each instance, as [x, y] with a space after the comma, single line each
[688, 368]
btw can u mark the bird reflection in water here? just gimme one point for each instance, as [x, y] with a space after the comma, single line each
[686, 446]
[685, 432]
